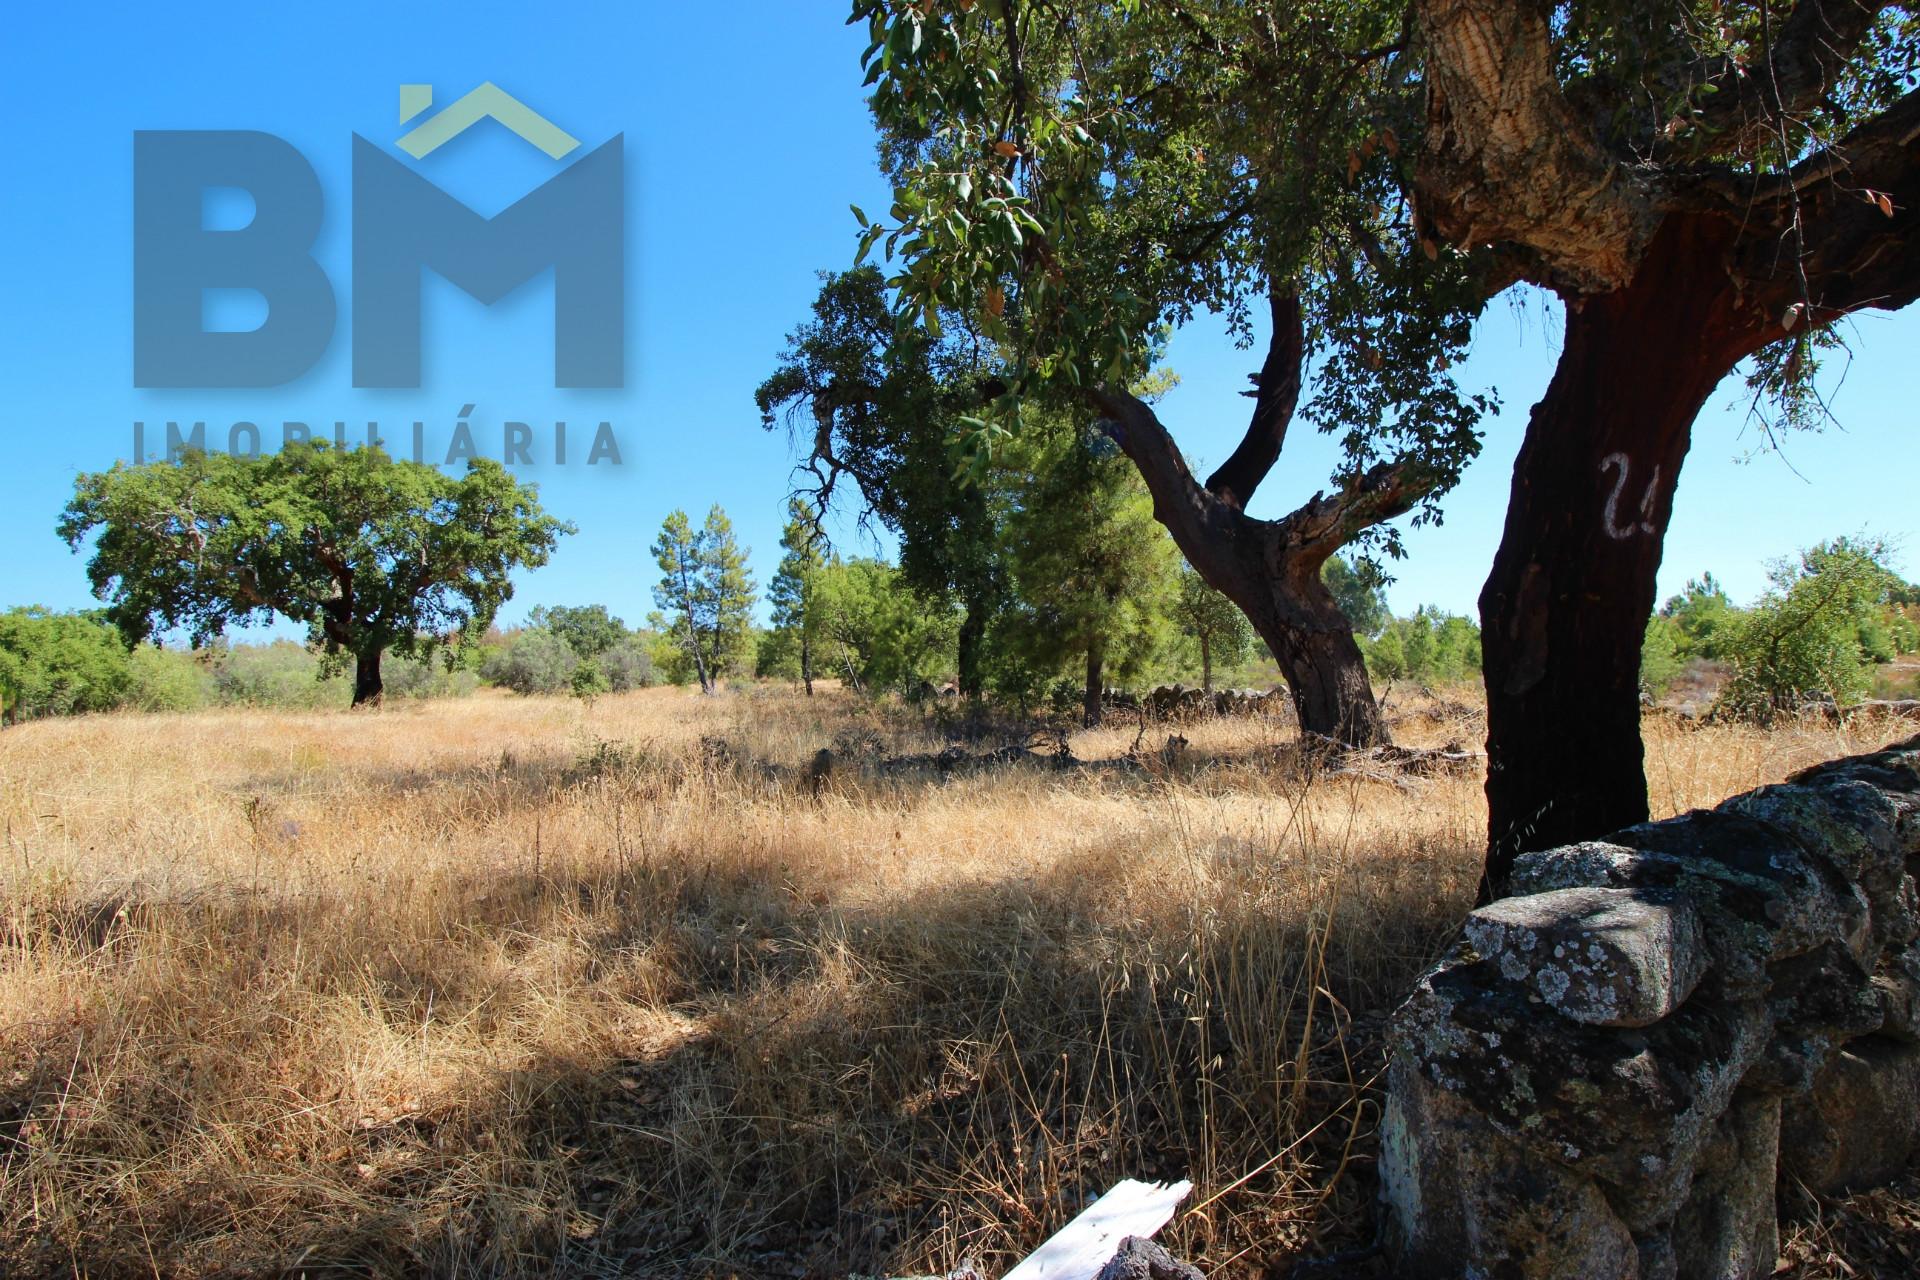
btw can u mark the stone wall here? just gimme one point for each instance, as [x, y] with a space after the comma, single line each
[1618, 1065]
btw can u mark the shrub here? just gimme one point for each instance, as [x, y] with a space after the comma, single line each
[168, 680]
[278, 674]
[1700, 619]
[429, 678]
[1813, 637]
[588, 681]
[59, 663]
[529, 661]
[1662, 656]
[627, 665]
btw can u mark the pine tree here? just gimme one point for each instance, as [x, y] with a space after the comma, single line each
[795, 590]
[1092, 571]
[706, 591]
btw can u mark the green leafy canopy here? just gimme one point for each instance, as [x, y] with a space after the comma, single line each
[370, 553]
[1070, 179]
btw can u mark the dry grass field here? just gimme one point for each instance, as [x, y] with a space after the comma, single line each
[510, 986]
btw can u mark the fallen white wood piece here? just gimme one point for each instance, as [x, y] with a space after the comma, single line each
[1078, 1250]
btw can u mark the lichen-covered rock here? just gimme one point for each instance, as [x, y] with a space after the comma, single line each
[1605, 957]
[1860, 1124]
[1629, 1106]
[1728, 1229]
[1758, 896]
[1465, 1201]
[1758, 877]
[1138, 1259]
[1852, 826]
[1897, 986]
[1615, 1069]
[1895, 771]
[1818, 1001]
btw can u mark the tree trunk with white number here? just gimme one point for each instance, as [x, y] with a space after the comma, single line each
[1673, 269]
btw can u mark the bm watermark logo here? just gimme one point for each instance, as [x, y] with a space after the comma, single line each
[573, 224]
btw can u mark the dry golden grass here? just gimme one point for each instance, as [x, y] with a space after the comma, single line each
[506, 986]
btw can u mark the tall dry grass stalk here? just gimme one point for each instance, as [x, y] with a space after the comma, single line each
[503, 986]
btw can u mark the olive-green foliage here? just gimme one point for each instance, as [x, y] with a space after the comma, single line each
[628, 664]
[1091, 570]
[284, 674]
[878, 632]
[589, 630]
[531, 660]
[1218, 630]
[60, 663]
[588, 681]
[277, 674]
[1816, 633]
[67, 663]
[560, 642]
[169, 680]
[1431, 647]
[706, 594]
[372, 555]
[434, 679]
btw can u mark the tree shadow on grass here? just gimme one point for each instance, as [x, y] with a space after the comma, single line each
[820, 1089]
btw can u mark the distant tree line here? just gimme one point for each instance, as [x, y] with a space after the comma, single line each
[55, 664]
[1047, 580]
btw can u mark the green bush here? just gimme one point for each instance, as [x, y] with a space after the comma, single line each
[588, 681]
[169, 680]
[1815, 636]
[279, 673]
[429, 679]
[1699, 619]
[532, 660]
[54, 664]
[627, 664]
[1662, 655]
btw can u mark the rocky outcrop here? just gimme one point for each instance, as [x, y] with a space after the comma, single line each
[1618, 1064]
[1139, 1259]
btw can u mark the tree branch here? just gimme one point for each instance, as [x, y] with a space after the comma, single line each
[1276, 392]
[1859, 255]
[1201, 524]
[1806, 57]
[1324, 524]
[1507, 159]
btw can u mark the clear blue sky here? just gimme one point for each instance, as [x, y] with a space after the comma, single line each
[746, 137]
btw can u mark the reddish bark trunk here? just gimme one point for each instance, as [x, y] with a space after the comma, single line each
[367, 688]
[1565, 609]
[1313, 643]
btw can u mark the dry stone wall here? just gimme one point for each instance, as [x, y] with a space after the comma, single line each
[1619, 1064]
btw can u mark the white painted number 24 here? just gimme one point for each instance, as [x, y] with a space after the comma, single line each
[1616, 530]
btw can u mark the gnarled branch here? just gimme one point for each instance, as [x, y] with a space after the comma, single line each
[1506, 158]
[1276, 392]
[1804, 59]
